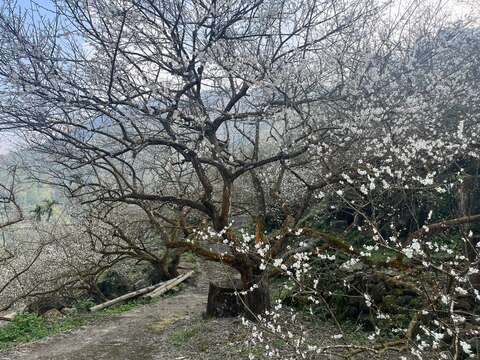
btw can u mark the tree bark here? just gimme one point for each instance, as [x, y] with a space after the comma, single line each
[223, 301]
[124, 297]
[168, 285]
[165, 268]
[468, 196]
[249, 296]
[257, 299]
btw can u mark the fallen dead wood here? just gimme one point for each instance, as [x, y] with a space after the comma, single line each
[168, 285]
[148, 290]
[125, 297]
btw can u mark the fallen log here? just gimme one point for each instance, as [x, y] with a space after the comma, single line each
[125, 297]
[168, 285]
[161, 288]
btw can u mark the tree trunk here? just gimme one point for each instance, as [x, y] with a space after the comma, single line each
[257, 299]
[249, 296]
[165, 268]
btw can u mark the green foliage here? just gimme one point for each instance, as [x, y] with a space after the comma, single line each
[84, 305]
[28, 327]
[357, 239]
[282, 289]
[25, 327]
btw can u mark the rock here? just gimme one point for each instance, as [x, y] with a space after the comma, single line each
[52, 315]
[113, 284]
[155, 274]
[42, 304]
[142, 283]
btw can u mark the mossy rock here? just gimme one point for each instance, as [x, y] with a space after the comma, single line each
[389, 304]
[112, 284]
[45, 303]
[52, 315]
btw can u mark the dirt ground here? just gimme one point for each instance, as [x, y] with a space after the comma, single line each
[140, 334]
[171, 329]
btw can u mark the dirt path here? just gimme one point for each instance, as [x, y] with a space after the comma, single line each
[137, 334]
[171, 329]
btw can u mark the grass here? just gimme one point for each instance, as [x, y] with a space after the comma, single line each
[27, 327]
[183, 336]
[121, 308]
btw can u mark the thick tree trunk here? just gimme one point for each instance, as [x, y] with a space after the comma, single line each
[257, 300]
[95, 292]
[165, 269]
[250, 296]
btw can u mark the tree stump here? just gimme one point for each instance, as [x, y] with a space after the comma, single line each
[223, 300]
[226, 300]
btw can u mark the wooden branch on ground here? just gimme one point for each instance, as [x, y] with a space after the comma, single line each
[168, 285]
[125, 297]
[150, 289]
